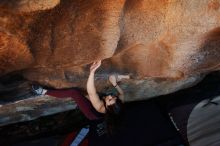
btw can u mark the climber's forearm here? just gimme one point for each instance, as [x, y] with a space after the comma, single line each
[118, 88]
[120, 91]
[91, 84]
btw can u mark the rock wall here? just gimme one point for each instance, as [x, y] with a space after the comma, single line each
[165, 45]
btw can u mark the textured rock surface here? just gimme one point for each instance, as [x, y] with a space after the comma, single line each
[164, 42]
[33, 108]
[28, 5]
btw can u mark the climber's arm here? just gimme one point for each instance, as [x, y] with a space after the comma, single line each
[113, 80]
[92, 94]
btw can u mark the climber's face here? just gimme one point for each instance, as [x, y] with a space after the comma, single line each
[110, 100]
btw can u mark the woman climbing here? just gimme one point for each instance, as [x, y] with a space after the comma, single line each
[93, 105]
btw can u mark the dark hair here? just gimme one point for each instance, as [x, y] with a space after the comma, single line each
[113, 115]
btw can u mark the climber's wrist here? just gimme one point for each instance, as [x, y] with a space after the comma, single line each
[115, 85]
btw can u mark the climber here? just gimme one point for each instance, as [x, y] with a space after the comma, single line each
[93, 106]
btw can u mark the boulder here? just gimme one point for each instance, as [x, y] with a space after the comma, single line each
[163, 45]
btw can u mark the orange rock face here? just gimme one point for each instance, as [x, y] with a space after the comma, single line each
[14, 54]
[53, 43]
